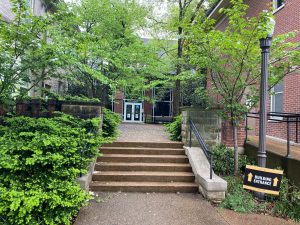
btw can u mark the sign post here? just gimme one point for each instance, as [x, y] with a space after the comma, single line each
[262, 180]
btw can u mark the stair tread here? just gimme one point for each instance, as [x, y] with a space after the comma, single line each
[143, 148]
[144, 156]
[142, 173]
[142, 184]
[143, 164]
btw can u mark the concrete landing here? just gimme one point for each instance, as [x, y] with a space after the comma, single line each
[149, 209]
[139, 132]
[277, 147]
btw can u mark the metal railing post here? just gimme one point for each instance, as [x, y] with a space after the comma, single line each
[297, 124]
[211, 166]
[288, 139]
[246, 129]
[190, 132]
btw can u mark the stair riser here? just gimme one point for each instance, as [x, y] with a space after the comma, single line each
[144, 145]
[142, 160]
[145, 189]
[143, 168]
[143, 178]
[142, 152]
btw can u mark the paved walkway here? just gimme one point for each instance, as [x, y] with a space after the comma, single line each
[143, 133]
[149, 209]
[164, 209]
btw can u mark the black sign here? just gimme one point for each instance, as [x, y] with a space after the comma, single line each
[262, 180]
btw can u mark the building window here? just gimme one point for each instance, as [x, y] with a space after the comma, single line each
[277, 4]
[277, 99]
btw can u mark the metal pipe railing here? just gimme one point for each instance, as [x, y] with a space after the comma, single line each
[281, 118]
[207, 152]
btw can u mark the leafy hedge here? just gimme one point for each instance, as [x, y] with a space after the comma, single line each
[174, 129]
[224, 160]
[40, 160]
[286, 205]
[111, 123]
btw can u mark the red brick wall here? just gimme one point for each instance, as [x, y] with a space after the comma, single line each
[291, 104]
[287, 20]
[227, 134]
[118, 102]
[147, 104]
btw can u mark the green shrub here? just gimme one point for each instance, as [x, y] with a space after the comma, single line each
[224, 160]
[237, 198]
[40, 160]
[174, 129]
[287, 204]
[111, 122]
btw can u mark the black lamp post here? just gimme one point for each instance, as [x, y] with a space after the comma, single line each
[265, 45]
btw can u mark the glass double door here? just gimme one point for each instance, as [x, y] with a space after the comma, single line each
[133, 112]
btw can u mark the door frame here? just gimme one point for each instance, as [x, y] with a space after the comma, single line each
[132, 112]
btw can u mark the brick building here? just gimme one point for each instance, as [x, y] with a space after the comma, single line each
[154, 105]
[39, 8]
[286, 98]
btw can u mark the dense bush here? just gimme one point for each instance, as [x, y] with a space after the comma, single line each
[287, 204]
[224, 160]
[40, 160]
[237, 198]
[111, 123]
[174, 129]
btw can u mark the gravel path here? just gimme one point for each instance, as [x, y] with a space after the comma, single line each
[143, 133]
[149, 209]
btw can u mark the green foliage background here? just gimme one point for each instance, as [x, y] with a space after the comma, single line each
[174, 129]
[40, 160]
[111, 122]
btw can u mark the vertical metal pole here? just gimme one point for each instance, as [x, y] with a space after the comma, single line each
[288, 139]
[190, 122]
[211, 165]
[297, 128]
[246, 129]
[265, 45]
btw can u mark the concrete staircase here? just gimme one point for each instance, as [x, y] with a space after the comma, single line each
[143, 167]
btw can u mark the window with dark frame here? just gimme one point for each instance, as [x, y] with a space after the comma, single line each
[277, 4]
[277, 98]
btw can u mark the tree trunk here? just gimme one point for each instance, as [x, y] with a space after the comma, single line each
[236, 150]
[176, 98]
[177, 89]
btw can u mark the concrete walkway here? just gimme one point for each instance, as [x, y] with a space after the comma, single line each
[149, 209]
[164, 209]
[140, 132]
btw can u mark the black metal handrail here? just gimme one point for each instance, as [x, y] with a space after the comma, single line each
[202, 144]
[280, 117]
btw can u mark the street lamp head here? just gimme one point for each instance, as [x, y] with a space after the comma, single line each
[271, 26]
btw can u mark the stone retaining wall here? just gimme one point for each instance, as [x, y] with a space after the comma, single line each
[207, 122]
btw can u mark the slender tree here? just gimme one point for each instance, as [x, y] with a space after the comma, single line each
[232, 58]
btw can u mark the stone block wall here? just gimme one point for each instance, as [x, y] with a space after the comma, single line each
[207, 122]
[36, 108]
[84, 111]
[211, 127]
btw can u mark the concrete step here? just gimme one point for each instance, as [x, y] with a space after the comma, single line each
[138, 176]
[144, 151]
[171, 187]
[143, 158]
[163, 167]
[178, 145]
